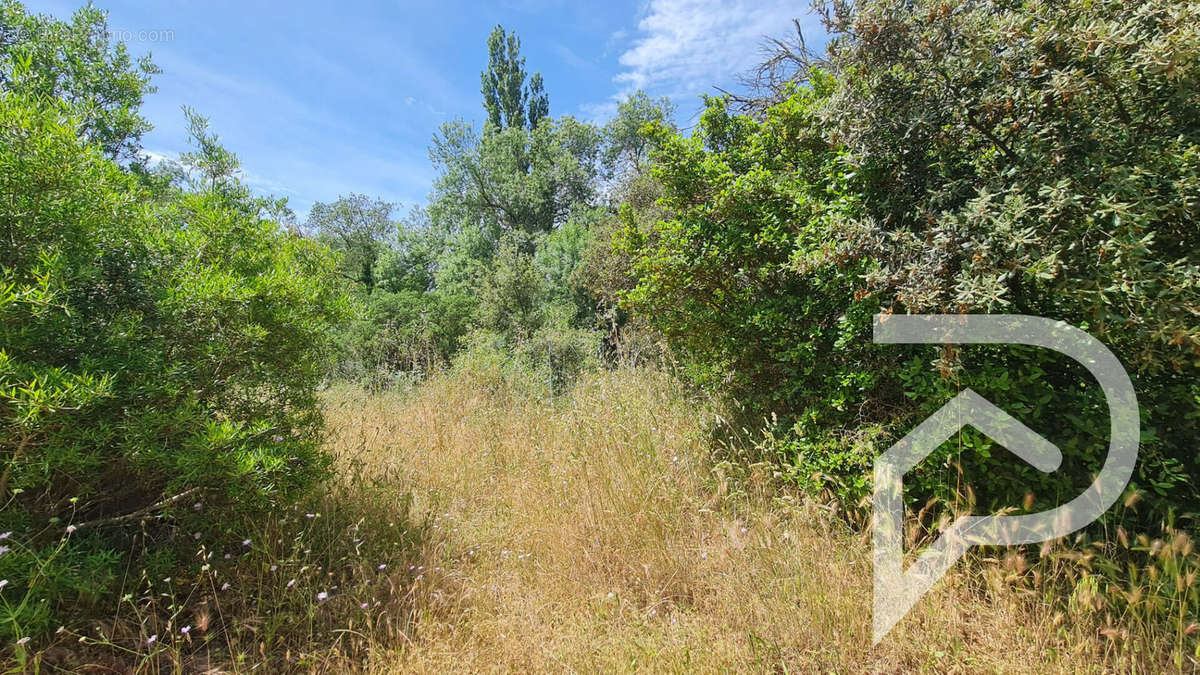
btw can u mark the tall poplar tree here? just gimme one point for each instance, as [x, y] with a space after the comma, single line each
[506, 97]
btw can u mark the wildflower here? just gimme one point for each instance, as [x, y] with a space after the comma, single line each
[245, 542]
[5, 535]
[364, 605]
[152, 639]
[4, 549]
[382, 567]
[228, 556]
[225, 586]
[291, 583]
[22, 641]
[196, 536]
[274, 567]
[167, 580]
[277, 439]
[704, 556]
[197, 506]
[70, 529]
[310, 515]
[322, 596]
[185, 630]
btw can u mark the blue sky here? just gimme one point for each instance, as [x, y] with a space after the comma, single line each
[319, 99]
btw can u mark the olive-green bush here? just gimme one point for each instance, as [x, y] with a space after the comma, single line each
[158, 355]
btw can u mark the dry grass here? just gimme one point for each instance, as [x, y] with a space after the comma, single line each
[595, 532]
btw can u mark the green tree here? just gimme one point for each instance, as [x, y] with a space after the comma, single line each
[357, 227]
[508, 100]
[514, 179]
[626, 146]
[78, 63]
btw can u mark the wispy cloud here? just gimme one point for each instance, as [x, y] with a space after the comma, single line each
[686, 47]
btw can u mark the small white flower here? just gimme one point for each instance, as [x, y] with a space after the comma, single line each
[70, 529]
[322, 596]
[245, 542]
[274, 567]
[4, 549]
[185, 630]
[291, 583]
[22, 640]
[5, 535]
[364, 605]
[152, 639]
[382, 567]
[225, 586]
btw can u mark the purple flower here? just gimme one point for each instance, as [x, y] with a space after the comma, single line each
[364, 605]
[152, 639]
[322, 596]
[185, 630]
[382, 567]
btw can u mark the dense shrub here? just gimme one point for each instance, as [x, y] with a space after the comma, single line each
[154, 354]
[1033, 158]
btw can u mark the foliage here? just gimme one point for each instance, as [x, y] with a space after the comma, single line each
[1032, 158]
[515, 178]
[725, 277]
[358, 228]
[154, 355]
[1039, 158]
[77, 63]
[509, 102]
[627, 148]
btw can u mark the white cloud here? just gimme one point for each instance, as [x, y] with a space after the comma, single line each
[686, 47]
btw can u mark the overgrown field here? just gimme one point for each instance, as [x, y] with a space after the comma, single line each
[602, 531]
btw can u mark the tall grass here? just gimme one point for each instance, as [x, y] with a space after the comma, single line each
[597, 531]
[482, 523]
